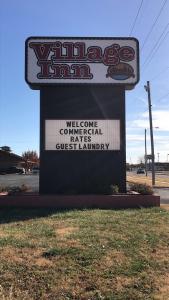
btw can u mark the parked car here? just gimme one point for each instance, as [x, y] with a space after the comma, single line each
[12, 170]
[35, 170]
[140, 171]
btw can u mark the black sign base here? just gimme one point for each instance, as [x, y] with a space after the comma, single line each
[82, 172]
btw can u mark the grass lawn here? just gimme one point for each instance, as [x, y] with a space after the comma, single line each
[84, 254]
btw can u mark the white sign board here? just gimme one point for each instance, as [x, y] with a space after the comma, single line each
[52, 60]
[83, 135]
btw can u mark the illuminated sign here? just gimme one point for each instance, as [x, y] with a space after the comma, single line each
[81, 60]
[83, 135]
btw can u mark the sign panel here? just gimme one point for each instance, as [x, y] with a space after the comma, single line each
[55, 60]
[83, 135]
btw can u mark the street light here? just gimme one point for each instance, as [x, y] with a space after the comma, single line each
[158, 155]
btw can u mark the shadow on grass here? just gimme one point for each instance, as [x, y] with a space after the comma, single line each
[8, 215]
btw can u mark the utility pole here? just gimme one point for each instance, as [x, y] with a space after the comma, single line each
[146, 151]
[147, 88]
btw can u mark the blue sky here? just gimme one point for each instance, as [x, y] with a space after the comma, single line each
[19, 105]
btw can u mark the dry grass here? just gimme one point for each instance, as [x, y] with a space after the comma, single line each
[160, 181]
[162, 283]
[80, 255]
[165, 206]
[65, 231]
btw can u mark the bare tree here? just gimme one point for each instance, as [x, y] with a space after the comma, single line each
[30, 159]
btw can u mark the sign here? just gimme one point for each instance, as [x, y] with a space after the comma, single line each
[83, 135]
[54, 60]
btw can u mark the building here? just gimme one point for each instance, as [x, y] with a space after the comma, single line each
[8, 160]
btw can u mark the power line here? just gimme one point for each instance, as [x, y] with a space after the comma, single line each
[157, 49]
[162, 97]
[152, 27]
[136, 18]
[158, 74]
[155, 44]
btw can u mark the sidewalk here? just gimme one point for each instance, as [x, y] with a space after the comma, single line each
[163, 193]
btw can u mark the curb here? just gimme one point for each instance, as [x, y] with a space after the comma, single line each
[79, 201]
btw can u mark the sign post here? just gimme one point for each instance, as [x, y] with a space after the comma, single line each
[82, 84]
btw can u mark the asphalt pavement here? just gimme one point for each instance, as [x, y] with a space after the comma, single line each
[163, 193]
[10, 180]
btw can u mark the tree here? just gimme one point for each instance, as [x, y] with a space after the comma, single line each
[30, 155]
[6, 149]
[30, 159]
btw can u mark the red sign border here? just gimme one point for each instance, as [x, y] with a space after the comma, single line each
[37, 86]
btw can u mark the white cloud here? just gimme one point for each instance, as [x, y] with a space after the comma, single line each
[160, 119]
[135, 137]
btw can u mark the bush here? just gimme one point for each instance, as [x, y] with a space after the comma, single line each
[141, 188]
[3, 189]
[12, 190]
[114, 189]
[17, 189]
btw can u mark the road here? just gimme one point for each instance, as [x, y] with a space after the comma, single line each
[31, 181]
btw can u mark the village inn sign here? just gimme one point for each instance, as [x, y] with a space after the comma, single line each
[82, 83]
